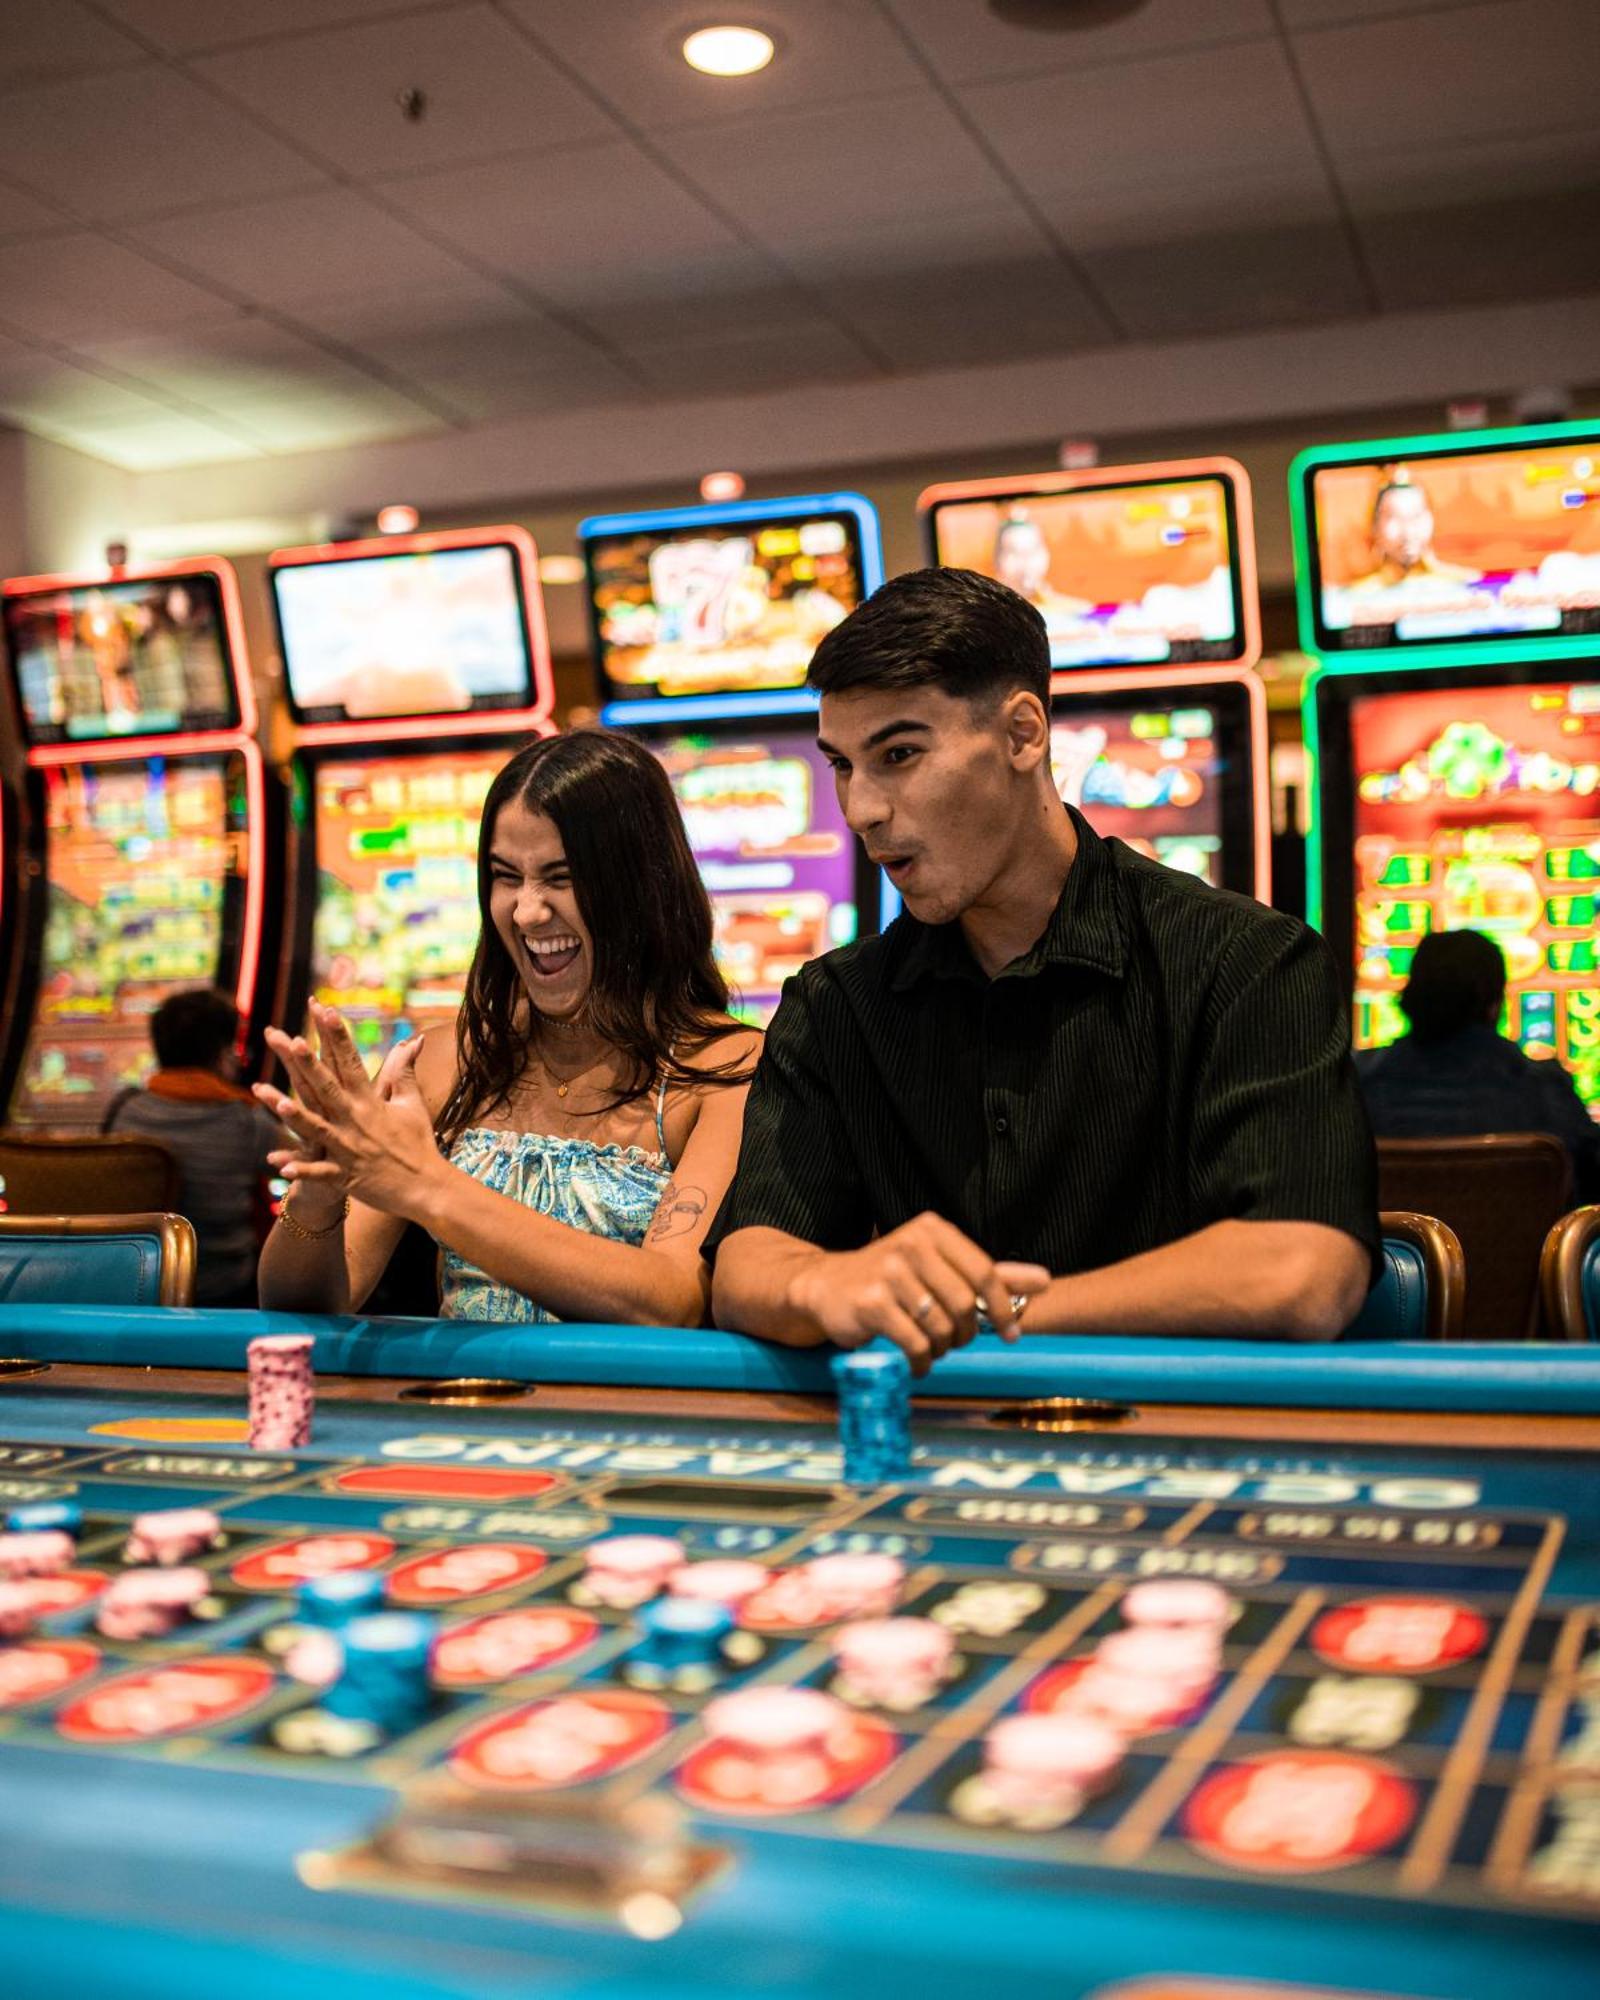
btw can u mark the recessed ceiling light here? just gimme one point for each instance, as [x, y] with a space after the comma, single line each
[397, 520]
[728, 51]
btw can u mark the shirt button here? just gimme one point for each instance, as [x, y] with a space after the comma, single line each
[1002, 1124]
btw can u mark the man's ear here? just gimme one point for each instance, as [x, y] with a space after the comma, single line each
[1027, 727]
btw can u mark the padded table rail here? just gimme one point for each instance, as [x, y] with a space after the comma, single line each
[1522, 1377]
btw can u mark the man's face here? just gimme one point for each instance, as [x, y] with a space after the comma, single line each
[938, 789]
[1022, 558]
[1403, 528]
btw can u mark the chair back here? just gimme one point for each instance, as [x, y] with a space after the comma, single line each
[107, 1176]
[1569, 1277]
[1420, 1293]
[97, 1260]
[1500, 1194]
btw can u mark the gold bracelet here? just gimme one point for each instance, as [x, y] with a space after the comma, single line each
[310, 1235]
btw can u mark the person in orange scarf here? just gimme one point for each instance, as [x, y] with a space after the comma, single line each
[194, 1104]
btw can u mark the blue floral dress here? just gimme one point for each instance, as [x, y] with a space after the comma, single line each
[610, 1191]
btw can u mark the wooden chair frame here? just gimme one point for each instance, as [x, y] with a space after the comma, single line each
[175, 1234]
[104, 1146]
[1444, 1262]
[1561, 1274]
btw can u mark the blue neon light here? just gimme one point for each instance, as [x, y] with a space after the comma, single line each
[675, 708]
[657, 520]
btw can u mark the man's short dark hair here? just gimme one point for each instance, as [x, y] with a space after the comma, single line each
[194, 1029]
[945, 628]
[1458, 980]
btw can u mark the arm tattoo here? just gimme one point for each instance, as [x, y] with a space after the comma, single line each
[679, 1211]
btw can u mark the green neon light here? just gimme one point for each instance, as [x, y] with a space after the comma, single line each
[1309, 731]
[1442, 444]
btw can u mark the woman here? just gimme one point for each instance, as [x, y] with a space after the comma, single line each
[570, 1147]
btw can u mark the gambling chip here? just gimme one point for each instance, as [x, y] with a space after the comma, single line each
[1047, 1765]
[65, 1515]
[774, 1721]
[720, 1581]
[150, 1603]
[383, 1677]
[854, 1586]
[627, 1570]
[897, 1663]
[680, 1643]
[282, 1391]
[35, 1552]
[172, 1536]
[1178, 1601]
[19, 1610]
[873, 1385]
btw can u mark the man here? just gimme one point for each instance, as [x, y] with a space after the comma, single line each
[1402, 542]
[1066, 1076]
[195, 1104]
[1455, 1075]
[1022, 562]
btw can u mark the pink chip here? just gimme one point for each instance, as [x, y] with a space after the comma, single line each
[273, 1349]
[148, 1603]
[774, 1720]
[719, 1582]
[879, 1646]
[1183, 1658]
[172, 1535]
[1178, 1600]
[1126, 1704]
[19, 1610]
[1055, 1750]
[639, 1558]
[40, 1552]
[864, 1584]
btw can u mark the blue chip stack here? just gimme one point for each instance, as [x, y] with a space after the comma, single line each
[385, 1675]
[874, 1389]
[680, 1632]
[332, 1601]
[43, 1516]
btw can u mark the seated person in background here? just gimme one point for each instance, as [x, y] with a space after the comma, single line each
[195, 1104]
[1066, 1081]
[1455, 1075]
[568, 1145]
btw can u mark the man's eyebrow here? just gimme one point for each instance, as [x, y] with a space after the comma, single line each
[879, 736]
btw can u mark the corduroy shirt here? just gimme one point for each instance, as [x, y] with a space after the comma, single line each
[1166, 1056]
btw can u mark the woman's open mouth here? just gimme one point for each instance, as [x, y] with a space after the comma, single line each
[551, 955]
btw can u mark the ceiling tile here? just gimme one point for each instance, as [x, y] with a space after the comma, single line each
[21, 215]
[37, 387]
[305, 246]
[1483, 252]
[803, 177]
[244, 360]
[156, 443]
[488, 92]
[806, 352]
[73, 288]
[1177, 118]
[1230, 284]
[966, 43]
[1421, 178]
[44, 39]
[630, 52]
[183, 26]
[501, 369]
[1474, 73]
[330, 422]
[461, 311]
[138, 141]
[589, 223]
[1325, 13]
[1107, 216]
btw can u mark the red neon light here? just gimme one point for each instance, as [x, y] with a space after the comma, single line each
[120, 749]
[1122, 680]
[526, 557]
[255, 885]
[1133, 475]
[227, 581]
[484, 722]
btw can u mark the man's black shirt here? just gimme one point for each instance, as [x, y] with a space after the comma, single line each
[1165, 1056]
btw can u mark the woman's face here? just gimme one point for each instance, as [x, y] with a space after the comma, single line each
[534, 909]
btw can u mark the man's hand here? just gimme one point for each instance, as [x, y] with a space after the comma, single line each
[921, 1286]
[370, 1138]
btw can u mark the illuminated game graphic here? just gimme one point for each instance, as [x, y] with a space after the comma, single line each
[1479, 809]
[396, 918]
[720, 605]
[1151, 777]
[423, 631]
[145, 860]
[1124, 575]
[141, 656]
[1451, 549]
[774, 853]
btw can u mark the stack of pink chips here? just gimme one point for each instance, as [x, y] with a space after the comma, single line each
[171, 1536]
[35, 1552]
[282, 1392]
[624, 1571]
[897, 1663]
[149, 1603]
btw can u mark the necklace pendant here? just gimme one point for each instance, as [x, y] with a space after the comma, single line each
[561, 1090]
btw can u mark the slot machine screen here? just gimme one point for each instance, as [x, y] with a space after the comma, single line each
[144, 896]
[396, 917]
[136, 657]
[1479, 809]
[1145, 574]
[732, 606]
[419, 632]
[781, 866]
[1151, 775]
[1457, 548]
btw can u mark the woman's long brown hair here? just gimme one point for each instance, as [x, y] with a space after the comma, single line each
[655, 995]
